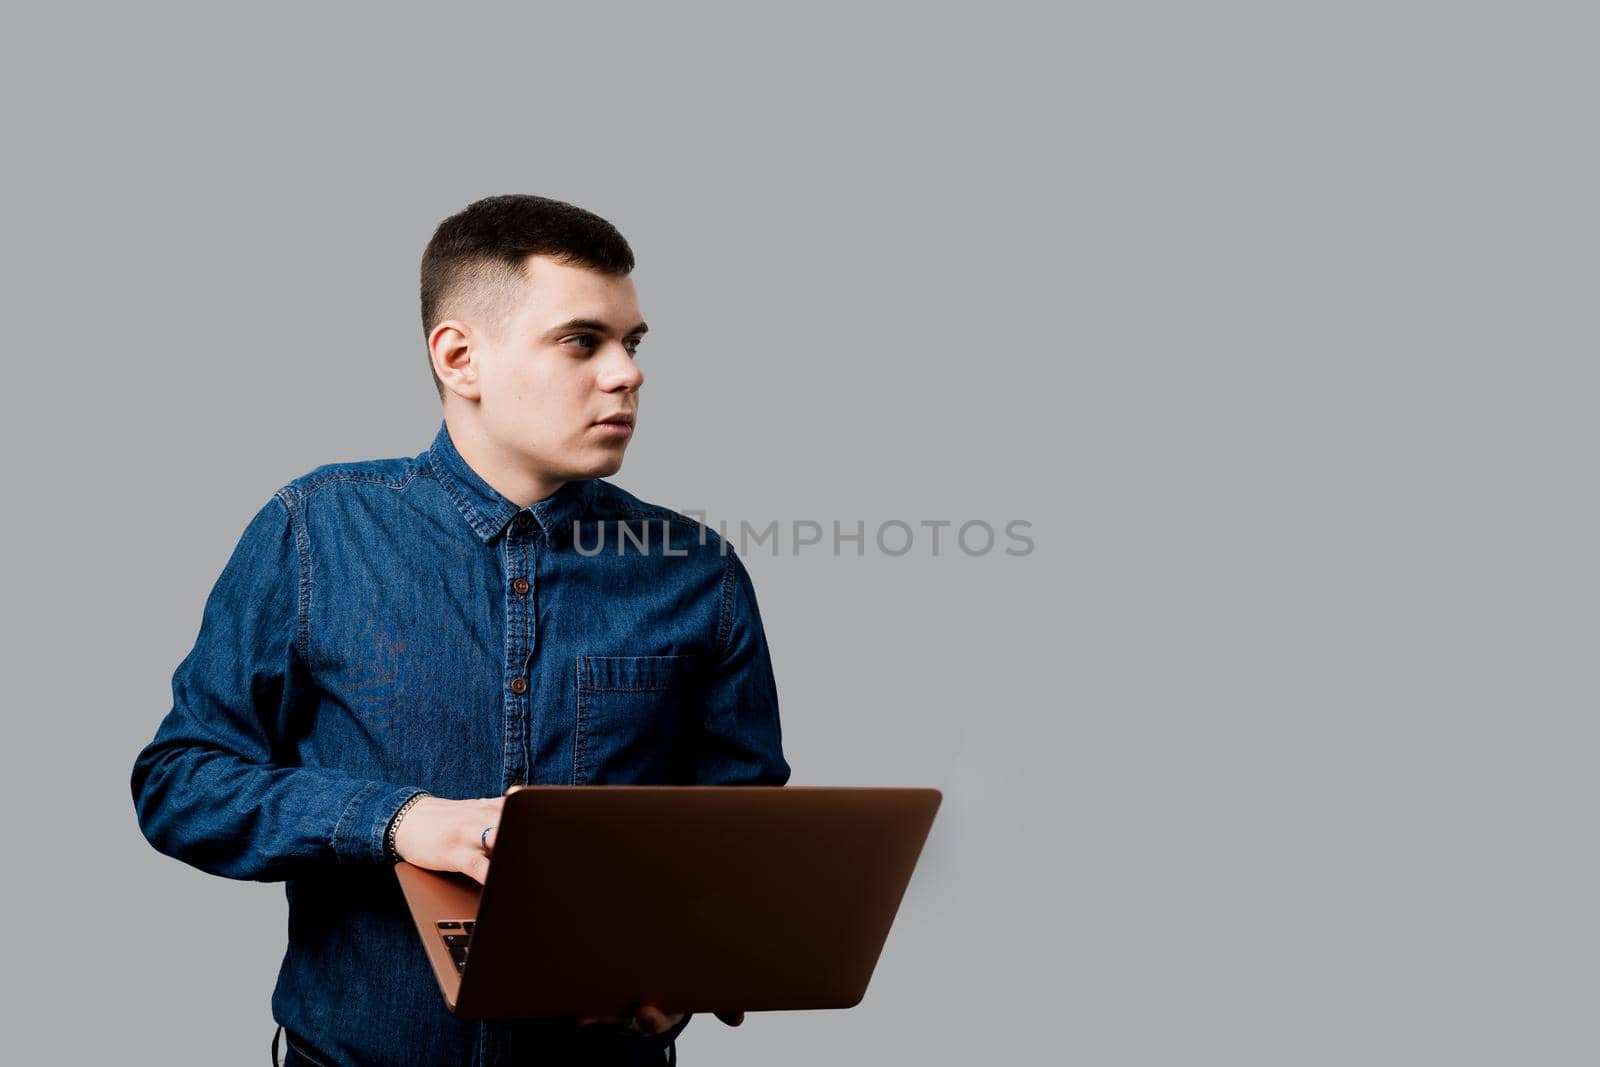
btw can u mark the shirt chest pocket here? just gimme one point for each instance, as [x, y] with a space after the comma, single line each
[628, 718]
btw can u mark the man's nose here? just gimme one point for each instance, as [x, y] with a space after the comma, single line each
[622, 372]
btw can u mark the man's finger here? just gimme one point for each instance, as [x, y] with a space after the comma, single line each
[653, 1020]
[732, 1018]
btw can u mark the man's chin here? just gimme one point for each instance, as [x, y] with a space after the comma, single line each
[603, 467]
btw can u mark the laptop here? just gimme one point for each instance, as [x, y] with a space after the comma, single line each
[691, 898]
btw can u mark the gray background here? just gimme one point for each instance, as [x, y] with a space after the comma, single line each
[1275, 321]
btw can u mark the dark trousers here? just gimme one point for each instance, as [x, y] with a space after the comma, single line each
[294, 1054]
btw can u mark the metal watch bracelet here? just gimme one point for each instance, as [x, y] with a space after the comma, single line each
[394, 827]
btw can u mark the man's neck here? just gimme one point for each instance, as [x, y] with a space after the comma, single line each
[508, 475]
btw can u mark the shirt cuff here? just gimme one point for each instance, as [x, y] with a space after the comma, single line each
[358, 837]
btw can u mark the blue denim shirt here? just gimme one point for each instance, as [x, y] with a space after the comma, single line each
[396, 625]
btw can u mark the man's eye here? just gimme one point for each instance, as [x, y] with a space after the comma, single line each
[590, 341]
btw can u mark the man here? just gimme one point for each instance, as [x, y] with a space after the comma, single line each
[395, 642]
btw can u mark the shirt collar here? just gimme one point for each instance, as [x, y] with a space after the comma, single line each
[485, 509]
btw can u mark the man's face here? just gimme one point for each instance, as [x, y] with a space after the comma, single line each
[562, 362]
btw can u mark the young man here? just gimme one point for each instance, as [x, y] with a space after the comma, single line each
[396, 642]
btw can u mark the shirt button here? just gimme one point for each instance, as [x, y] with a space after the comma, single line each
[521, 521]
[519, 685]
[521, 586]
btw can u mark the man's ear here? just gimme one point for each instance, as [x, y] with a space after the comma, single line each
[454, 360]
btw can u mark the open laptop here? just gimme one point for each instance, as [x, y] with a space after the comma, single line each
[693, 898]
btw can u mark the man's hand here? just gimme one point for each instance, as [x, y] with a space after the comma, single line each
[651, 1020]
[447, 835]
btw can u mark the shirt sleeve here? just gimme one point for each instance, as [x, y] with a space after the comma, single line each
[218, 787]
[740, 740]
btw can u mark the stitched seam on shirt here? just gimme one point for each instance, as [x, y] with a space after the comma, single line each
[294, 499]
[519, 615]
[355, 802]
[631, 688]
[725, 612]
[355, 476]
[302, 550]
[448, 482]
[657, 511]
[667, 672]
[597, 496]
[577, 731]
[643, 510]
[668, 681]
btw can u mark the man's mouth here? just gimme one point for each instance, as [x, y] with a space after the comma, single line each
[618, 426]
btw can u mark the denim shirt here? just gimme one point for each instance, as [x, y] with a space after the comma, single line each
[396, 625]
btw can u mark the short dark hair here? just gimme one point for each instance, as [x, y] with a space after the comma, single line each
[476, 260]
